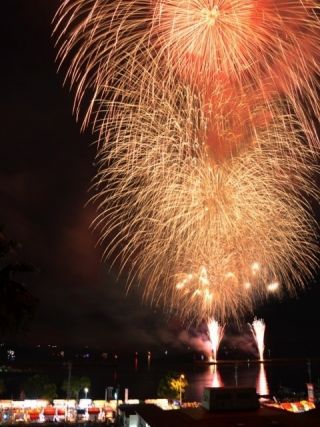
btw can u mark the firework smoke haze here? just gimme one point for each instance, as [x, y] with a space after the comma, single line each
[204, 177]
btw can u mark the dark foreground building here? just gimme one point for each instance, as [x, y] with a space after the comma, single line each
[153, 416]
[226, 407]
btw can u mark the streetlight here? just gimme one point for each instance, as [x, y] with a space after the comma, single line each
[86, 392]
[180, 387]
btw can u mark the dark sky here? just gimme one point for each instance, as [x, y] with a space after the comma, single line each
[46, 165]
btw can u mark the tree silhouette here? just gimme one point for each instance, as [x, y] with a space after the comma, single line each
[40, 387]
[171, 385]
[17, 304]
[2, 387]
[76, 385]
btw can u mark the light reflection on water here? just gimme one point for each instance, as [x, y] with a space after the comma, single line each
[266, 377]
[216, 378]
[262, 386]
[142, 374]
[245, 375]
[143, 377]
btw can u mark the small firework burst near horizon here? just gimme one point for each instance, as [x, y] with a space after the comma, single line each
[216, 332]
[258, 328]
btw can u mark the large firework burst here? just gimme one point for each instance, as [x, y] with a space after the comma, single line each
[204, 237]
[204, 167]
[270, 47]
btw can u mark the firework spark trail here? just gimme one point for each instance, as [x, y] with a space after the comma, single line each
[269, 47]
[216, 332]
[258, 329]
[173, 213]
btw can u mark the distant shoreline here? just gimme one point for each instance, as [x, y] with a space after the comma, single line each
[257, 361]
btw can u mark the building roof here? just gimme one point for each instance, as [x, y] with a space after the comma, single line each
[171, 418]
[200, 417]
[263, 417]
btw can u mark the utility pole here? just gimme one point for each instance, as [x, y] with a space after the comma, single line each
[236, 374]
[69, 364]
[180, 388]
[309, 370]
[69, 379]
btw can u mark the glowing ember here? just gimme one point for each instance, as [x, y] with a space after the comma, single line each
[216, 332]
[255, 268]
[258, 328]
[273, 287]
[197, 284]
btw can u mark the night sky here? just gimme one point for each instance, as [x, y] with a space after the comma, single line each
[46, 165]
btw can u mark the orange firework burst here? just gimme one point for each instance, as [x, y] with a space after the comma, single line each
[262, 42]
[265, 46]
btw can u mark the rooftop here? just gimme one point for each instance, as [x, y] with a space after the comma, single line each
[200, 417]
